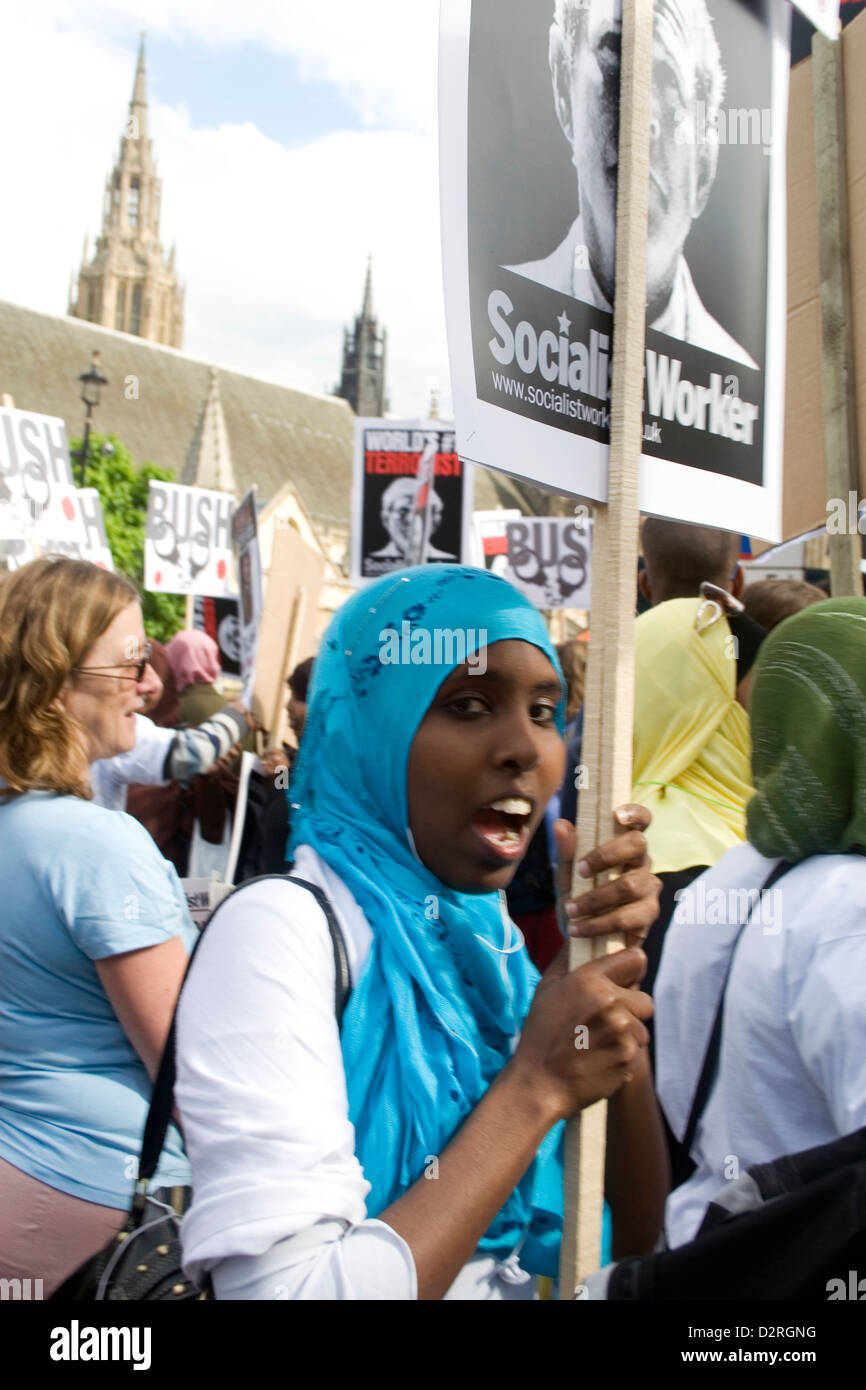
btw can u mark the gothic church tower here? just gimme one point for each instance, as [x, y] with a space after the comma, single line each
[362, 381]
[129, 284]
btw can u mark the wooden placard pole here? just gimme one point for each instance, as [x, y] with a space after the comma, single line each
[607, 734]
[837, 358]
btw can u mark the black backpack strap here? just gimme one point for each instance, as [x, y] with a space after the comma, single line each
[714, 1046]
[162, 1100]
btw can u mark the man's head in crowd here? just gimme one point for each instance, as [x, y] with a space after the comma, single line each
[771, 601]
[299, 685]
[687, 69]
[679, 558]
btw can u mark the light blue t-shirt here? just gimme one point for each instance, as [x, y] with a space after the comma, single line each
[78, 883]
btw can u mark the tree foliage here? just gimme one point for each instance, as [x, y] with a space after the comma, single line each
[123, 490]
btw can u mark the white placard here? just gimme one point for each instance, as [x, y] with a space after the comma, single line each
[188, 543]
[249, 763]
[548, 558]
[37, 492]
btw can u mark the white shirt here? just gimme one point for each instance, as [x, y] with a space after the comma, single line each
[792, 1068]
[278, 1210]
[164, 755]
[144, 762]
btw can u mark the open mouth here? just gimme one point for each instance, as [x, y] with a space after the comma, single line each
[503, 826]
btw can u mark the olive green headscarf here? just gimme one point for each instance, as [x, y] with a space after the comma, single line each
[808, 715]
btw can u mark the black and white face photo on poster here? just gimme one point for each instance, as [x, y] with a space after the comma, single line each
[689, 82]
[542, 158]
[386, 520]
[397, 517]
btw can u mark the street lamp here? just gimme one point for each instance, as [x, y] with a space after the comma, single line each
[92, 382]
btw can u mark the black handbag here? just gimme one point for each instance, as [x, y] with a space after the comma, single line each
[143, 1261]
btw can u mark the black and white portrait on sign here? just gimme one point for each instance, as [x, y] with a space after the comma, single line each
[530, 165]
[689, 82]
[397, 515]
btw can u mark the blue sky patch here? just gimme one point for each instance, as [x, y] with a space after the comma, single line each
[246, 83]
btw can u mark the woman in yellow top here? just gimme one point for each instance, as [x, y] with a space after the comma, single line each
[692, 749]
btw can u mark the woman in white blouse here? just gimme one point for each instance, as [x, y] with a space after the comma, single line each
[791, 1070]
[413, 1152]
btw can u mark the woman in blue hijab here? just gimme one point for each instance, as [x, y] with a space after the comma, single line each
[413, 1150]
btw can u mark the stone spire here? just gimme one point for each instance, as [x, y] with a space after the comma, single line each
[129, 284]
[367, 307]
[209, 462]
[138, 104]
[362, 379]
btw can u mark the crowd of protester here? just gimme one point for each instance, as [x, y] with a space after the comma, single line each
[399, 1135]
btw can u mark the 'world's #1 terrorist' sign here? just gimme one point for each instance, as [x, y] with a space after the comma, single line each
[412, 497]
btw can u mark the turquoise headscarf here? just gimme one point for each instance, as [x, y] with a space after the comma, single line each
[448, 982]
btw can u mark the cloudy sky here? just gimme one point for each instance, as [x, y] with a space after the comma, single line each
[294, 138]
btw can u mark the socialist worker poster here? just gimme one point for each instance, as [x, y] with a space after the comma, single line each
[529, 103]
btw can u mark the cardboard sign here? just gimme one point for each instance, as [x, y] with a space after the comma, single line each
[289, 624]
[399, 511]
[188, 543]
[529, 184]
[245, 537]
[548, 560]
[805, 440]
[37, 492]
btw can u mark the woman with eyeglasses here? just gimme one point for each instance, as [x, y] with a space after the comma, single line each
[94, 929]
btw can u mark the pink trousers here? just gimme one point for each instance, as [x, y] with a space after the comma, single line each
[46, 1234]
